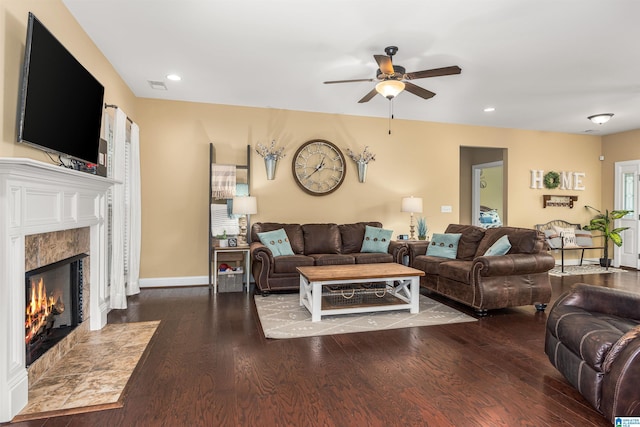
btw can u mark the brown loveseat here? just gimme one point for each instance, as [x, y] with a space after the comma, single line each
[313, 244]
[489, 282]
[593, 339]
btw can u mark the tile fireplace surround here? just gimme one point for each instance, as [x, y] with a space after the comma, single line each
[39, 198]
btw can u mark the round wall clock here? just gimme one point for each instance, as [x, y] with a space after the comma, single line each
[318, 167]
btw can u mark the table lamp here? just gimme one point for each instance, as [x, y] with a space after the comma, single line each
[412, 205]
[244, 206]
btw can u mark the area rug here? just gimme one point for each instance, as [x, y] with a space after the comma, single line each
[282, 316]
[93, 374]
[576, 270]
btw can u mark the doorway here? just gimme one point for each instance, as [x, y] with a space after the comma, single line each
[487, 194]
[470, 205]
[626, 198]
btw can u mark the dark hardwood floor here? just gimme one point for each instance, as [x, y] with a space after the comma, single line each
[209, 365]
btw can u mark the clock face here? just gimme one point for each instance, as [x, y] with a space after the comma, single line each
[319, 167]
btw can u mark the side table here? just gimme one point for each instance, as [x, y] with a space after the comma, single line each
[245, 275]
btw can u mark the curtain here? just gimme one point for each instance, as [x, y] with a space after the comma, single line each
[118, 298]
[133, 286]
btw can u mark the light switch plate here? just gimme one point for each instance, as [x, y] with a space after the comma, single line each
[446, 209]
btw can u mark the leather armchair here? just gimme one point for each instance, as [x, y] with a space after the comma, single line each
[593, 339]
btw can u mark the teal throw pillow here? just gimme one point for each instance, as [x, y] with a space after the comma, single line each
[376, 239]
[277, 242]
[500, 247]
[444, 245]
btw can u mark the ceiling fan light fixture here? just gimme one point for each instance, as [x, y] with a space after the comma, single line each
[390, 88]
[600, 119]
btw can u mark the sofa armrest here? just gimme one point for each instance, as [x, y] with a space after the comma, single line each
[602, 300]
[417, 247]
[512, 264]
[398, 250]
[622, 375]
[262, 262]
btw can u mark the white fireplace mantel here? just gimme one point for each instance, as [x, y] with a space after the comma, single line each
[35, 198]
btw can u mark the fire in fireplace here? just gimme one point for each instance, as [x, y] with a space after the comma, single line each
[53, 304]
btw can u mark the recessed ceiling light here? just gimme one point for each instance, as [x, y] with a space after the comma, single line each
[174, 77]
[489, 109]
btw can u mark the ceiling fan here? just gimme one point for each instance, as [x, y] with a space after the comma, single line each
[393, 78]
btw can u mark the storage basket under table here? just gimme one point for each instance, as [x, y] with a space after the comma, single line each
[357, 294]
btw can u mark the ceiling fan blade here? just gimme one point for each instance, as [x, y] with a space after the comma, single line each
[436, 72]
[384, 63]
[417, 90]
[348, 81]
[368, 97]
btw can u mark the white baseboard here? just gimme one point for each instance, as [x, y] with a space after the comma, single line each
[166, 282]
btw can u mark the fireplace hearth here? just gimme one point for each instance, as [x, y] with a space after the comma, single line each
[54, 296]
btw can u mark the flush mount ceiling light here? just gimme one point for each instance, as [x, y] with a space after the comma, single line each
[390, 88]
[600, 119]
[489, 109]
[174, 77]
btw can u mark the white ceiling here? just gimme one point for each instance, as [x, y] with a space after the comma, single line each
[543, 64]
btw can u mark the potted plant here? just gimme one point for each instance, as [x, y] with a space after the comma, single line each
[604, 223]
[422, 228]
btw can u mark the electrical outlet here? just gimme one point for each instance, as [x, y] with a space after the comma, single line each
[446, 209]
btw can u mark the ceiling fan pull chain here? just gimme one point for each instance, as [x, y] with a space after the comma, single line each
[390, 113]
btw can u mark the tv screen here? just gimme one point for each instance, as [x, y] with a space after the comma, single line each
[61, 103]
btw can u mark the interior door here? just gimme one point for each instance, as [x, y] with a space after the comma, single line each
[626, 197]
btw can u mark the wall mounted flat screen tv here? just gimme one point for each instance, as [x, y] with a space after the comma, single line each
[60, 103]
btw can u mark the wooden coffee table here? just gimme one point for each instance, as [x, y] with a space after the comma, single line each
[401, 282]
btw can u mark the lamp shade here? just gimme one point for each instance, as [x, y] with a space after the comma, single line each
[390, 88]
[246, 205]
[412, 204]
[600, 119]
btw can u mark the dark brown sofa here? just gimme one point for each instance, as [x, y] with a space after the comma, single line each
[593, 339]
[313, 244]
[489, 282]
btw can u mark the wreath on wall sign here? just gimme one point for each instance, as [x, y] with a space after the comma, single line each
[551, 180]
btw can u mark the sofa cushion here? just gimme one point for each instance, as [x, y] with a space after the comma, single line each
[468, 244]
[321, 239]
[456, 270]
[553, 239]
[523, 240]
[444, 245]
[277, 242]
[372, 257]
[429, 264]
[584, 238]
[288, 263]
[353, 234]
[500, 247]
[376, 239]
[294, 232]
[333, 259]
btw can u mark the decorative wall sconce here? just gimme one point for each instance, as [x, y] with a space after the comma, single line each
[362, 161]
[271, 155]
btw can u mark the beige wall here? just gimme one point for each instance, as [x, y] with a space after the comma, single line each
[616, 148]
[13, 30]
[420, 159]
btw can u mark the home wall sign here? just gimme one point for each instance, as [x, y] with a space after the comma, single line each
[561, 180]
